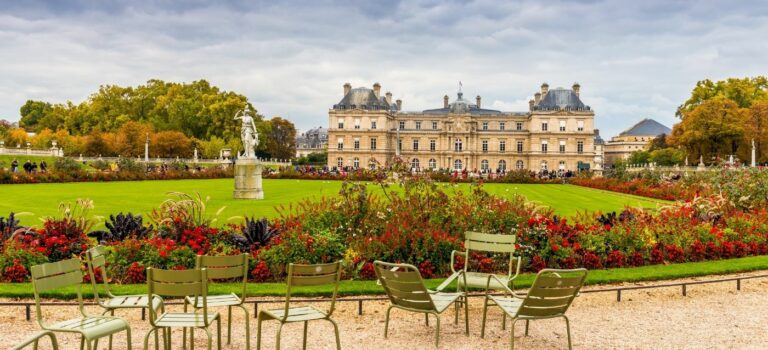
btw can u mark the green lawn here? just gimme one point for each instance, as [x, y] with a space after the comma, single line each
[40, 200]
[595, 277]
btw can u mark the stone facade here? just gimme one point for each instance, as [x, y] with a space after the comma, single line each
[636, 138]
[557, 132]
[313, 141]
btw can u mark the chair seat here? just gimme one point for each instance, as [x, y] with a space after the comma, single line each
[510, 306]
[443, 300]
[479, 280]
[184, 319]
[92, 327]
[215, 300]
[126, 302]
[297, 314]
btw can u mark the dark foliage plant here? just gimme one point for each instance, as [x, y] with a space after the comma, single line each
[121, 227]
[256, 234]
[8, 226]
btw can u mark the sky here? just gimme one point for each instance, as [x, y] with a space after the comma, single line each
[633, 59]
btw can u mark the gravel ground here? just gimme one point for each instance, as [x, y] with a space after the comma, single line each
[712, 316]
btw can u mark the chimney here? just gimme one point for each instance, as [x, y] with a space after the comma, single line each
[530, 104]
[399, 104]
[377, 89]
[389, 97]
[347, 88]
[576, 88]
[544, 89]
[478, 101]
[445, 101]
[537, 97]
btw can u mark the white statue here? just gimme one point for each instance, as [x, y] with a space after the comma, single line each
[248, 134]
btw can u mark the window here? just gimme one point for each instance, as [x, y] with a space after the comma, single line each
[544, 126]
[340, 162]
[519, 146]
[434, 125]
[519, 126]
[415, 163]
[503, 165]
[357, 123]
[432, 145]
[544, 146]
[400, 144]
[415, 144]
[341, 123]
[432, 163]
[580, 125]
[485, 145]
[502, 145]
[561, 165]
[519, 164]
[457, 145]
[502, 126]
[580, 147]
[484, 165]
[372, 163]
[373, 124]
[356, 162]
[562, 146]
[418, 125]
[562, 125]
[340, 143]
[544, 165]
[457, 164]
[373, 144]
[356, 144]
[485, 125]
[402, 125]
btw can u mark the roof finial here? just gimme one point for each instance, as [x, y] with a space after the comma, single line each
[459, 86]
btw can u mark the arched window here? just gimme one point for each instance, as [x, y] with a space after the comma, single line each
[339, 162]
[519, 164]
[544, 165]
[415, 163]
[484, 164]
[356, 162]
[503, 165]
[457, 145]
[432, 163]
[457, 164]
[561, 165]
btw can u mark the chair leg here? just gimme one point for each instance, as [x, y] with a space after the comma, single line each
[54, 342]
[568, 330]
[157, 340]
[304, 340]
[277, 339]
[128, 339]
[111, 313]
[336, 332]
[504, 317]
[426, 319]
[192, 338]
[82, 342]
[485, 312]
[229, 325]
[386, 321]
[466, 314]
[526, 327]
[437, 331]
[258, 332]
[512, 326]
[247, 328]
[146, 338]
[184, 330]
[209, 337]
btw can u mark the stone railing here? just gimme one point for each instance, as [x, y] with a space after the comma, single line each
[29, 151]
[270, 162]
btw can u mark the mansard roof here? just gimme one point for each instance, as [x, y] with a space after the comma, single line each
[646, 127]
[363, 98]
[560, 99]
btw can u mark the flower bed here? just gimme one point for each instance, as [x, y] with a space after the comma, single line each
[7, 177]
[420, 223]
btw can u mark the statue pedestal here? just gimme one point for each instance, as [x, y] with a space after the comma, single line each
[248, 179]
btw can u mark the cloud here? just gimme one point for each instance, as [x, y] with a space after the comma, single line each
[632, 59]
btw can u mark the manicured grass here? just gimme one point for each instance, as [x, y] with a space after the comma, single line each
[41, 200]
[595, 277]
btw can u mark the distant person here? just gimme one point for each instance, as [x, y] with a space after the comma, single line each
[43, 167]
[33, 168]
[15, 166]
[27, 166]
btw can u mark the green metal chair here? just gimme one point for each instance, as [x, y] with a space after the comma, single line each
[406, 291]
[96, 258]
[304, 275]
[550, 296]
[220, 268]
[67, 273]
[35, 341]
[179, 283]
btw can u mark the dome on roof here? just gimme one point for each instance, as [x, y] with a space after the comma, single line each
[460, 105]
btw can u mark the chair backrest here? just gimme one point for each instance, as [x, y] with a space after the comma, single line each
[225, 267]
[313, 275]
[404, 286]
[552, 292]
[490, 243]
[97, 260]
[56, 275]
[177, 283]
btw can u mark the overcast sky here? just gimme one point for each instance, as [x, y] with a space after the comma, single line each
[633, 59]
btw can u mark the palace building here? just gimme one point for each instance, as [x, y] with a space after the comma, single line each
[636, 138]
[367, 129]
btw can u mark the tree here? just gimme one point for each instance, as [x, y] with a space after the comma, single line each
[757, 129]
[713, 128]
[211, 149]
[43, 139]
[5, 128]
[131, 138]
[171, 144]
[17, 137]
[96, 145]
[32, 112]
[639, 157]
[280, 139]
[743, 92]
[658, 142]
[667, 156]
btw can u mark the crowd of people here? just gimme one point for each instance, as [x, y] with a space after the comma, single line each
[543, 174]
[29, 167]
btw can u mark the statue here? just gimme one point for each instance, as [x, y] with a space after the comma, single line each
[248, 134]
